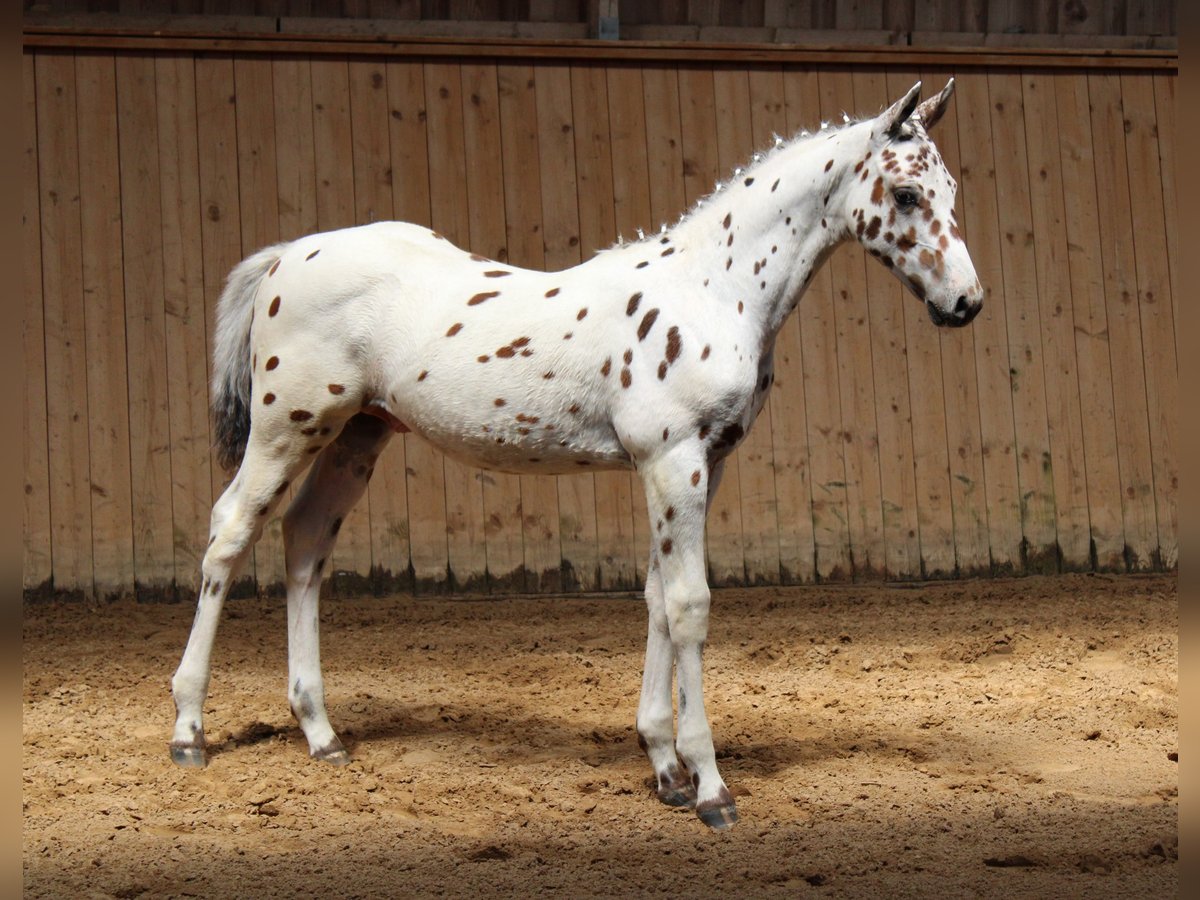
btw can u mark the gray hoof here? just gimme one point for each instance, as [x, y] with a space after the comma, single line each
[720, 812]
[334, 754]
[188, 756]
[677, 796]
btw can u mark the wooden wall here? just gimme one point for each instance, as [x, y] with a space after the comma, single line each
[1045, 436]
[917, 17]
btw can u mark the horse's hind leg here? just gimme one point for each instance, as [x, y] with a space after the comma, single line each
[310, 527]
[237, 521]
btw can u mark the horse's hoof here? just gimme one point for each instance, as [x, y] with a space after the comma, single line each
[334, 754]
[188, 756]
[684, 795]
[719, 813]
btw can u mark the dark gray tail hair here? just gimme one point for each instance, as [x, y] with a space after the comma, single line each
[231, 356]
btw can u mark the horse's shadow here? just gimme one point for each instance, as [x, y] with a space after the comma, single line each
[516, 736]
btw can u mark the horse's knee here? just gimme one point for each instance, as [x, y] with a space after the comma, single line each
[686, 609]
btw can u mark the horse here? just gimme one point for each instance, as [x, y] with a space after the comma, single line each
[655, 354]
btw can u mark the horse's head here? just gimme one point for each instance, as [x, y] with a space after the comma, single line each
[901, 204]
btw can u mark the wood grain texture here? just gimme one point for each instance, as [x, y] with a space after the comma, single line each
[1046, 424]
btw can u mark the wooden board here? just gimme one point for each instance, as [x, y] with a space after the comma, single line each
[36, 560]
[1134, 450]
[1024, 321]
[859, 433]
[1063, 415]
[1154, 296]
[467, 558]
[425, 478]
[819, 375]
[184, 316]
[1086, 272]
[545, 231]
[757, 471]
[591, 212]
[959, 395]
[145, 326]
[503, 520]
[616, 491]
[107, 384]
[990, 328]
[220, 225]
[886, 302]
[1164, 107]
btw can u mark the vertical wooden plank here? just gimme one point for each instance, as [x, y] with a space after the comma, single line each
[957, 381]
[818, 379]
[36, 564]
[760, 515]
[1154, 303]
[546, 232]
[859, 432]
[702, 168]
[333, 152]
[448, 204]
[1164, 108]
[893, 413]
[1035, 474]
[1057, 325]
[149, 414]
[789, 417]
[731, 98]
[62, 285]
[295, 148]
[184, 321]
[387, 497]
[1091, 333]
[258, 193]
[503, 525]
[615, 491]
[989, 329]
[579, 496]
[425, 529]
[104, 313]
[220, 226]
[1124, 322]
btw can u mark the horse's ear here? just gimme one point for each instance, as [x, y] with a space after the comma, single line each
[897, 114]
[932, 109]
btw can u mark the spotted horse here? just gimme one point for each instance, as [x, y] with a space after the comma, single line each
[655, 354]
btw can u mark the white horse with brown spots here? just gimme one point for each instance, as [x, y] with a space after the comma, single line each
[655, 355]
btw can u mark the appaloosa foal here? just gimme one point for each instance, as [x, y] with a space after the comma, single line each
[655, 354]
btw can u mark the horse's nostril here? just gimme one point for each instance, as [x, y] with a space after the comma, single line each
[960, 308]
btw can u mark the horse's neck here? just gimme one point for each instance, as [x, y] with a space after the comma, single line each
[783, 222]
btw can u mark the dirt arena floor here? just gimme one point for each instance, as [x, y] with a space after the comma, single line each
[990, 739]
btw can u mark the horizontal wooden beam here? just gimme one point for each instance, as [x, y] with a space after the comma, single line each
[358, 44]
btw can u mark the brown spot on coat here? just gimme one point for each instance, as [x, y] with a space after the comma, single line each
[668, 251]
[496, 273]
[300, 415]
[696, 478]
[877, 191]
[424, 374]
[662, 370]
[337, 389]
[273, 309]
[274, 267]
[481, 297]
[607, 367]
[311, 255]
[454, 329]
[581, 315]
[707, 350]
[626, 377]
[272, 363]
[647, 323]
[268, 399]
[829, 165]
[674, 344]
[499, 401]
[553, 292]
[667, 546]
[728, 220]
[632, 305]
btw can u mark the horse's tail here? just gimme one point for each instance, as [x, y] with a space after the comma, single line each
[231, 356]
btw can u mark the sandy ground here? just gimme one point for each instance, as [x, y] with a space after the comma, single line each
[1001, 738]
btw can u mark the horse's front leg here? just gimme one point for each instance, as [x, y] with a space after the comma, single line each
[655, 717]
[677, 492]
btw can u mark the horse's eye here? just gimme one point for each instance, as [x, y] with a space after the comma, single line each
[906, 198]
